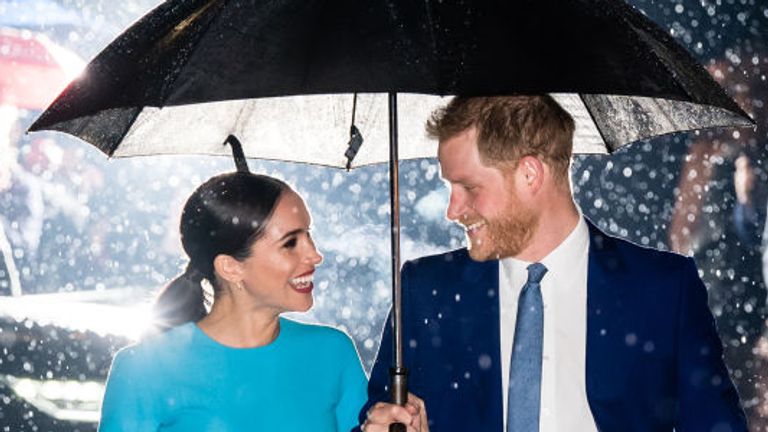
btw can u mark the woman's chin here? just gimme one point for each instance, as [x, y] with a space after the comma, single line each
[303, 306]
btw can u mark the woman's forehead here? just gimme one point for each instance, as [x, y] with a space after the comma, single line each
[290, 214]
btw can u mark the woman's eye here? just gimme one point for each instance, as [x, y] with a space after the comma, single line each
[290, 244]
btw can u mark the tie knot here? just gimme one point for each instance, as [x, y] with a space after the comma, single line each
[536, 272]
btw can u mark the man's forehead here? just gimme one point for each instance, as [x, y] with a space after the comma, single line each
[443, 162]
[454, 170]
[456, 146]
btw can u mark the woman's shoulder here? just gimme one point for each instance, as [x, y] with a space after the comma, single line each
[330, 337]
[157, 347]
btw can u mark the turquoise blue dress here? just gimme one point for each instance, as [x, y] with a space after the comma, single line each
[308, 379]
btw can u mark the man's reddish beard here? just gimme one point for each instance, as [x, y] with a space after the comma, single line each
[507, 236]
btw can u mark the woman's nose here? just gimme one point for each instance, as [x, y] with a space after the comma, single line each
[314, 256]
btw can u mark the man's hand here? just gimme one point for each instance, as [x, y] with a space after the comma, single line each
[413, 415]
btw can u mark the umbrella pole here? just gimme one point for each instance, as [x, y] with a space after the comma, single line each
[398, 374]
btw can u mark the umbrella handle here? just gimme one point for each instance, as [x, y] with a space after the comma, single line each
[398, 383]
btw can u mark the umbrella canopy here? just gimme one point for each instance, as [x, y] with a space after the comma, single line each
[33, 70]
[193, 71]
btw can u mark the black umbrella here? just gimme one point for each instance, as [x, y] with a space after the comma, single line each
[192, 72]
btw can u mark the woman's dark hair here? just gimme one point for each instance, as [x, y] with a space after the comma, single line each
[225, 215]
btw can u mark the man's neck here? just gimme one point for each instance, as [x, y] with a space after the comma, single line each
[556, 222]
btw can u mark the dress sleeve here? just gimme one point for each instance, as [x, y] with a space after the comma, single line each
[353, 387]
[128, 404]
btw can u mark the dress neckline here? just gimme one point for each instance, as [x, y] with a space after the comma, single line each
[209, 341]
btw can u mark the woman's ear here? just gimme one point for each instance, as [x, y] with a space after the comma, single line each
[228, 268]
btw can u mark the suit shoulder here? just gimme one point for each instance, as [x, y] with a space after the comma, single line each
[637, 255]
[444, 259]
[654, 254]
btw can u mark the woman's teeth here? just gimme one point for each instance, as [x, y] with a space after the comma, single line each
[301, 282]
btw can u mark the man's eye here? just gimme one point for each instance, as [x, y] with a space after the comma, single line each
[290, 244]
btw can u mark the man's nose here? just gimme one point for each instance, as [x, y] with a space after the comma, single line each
[456, 206]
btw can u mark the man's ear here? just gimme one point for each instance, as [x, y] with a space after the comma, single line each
[530, 173]
[228, 268]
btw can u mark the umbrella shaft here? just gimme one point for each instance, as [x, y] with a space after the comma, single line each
[394, 195]
[398, 374]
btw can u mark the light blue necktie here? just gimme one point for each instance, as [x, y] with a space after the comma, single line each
[525, 369]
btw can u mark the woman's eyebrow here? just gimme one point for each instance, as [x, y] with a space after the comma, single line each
[291, 233]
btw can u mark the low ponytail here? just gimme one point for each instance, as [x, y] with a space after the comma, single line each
[181, 301]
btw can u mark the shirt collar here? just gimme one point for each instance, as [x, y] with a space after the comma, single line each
[566, 253]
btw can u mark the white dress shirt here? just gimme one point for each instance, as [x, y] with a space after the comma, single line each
[564, 403]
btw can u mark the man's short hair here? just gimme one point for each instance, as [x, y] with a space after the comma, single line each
[510, 128]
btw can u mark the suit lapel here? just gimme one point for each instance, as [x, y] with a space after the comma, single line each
[480, 330]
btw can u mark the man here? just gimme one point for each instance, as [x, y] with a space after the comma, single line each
[544, 322]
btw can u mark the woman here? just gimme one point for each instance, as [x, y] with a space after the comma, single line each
[240, 367]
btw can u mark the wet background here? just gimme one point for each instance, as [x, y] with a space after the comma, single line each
[102, 234]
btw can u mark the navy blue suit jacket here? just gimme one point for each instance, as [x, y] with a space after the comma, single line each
[654, 360]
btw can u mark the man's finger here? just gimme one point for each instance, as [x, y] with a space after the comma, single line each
[385, 428]
[374, 427]
[412, 408]
[421, 421]
[385, 413]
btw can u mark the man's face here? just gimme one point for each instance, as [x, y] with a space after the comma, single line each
[485, 200]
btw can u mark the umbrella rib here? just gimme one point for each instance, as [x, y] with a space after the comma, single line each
[113, 146]
[430, 22]
[240, 113]
[270, 159]
[608, 145]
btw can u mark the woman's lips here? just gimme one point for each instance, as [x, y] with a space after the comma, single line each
[303, 283]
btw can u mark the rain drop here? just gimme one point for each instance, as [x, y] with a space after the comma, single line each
[484, 361]
[630, 339]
